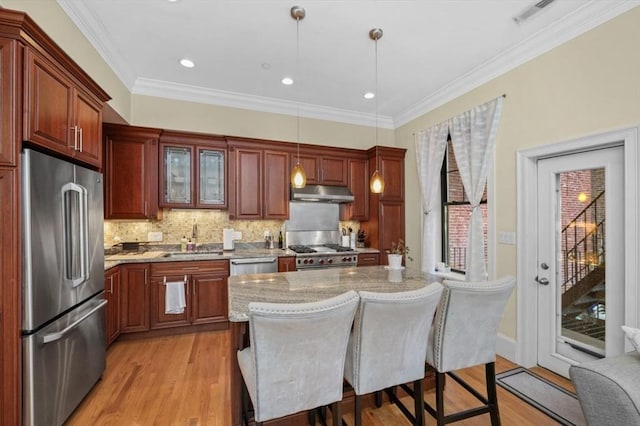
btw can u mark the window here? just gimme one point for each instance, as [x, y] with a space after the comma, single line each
[456, 211]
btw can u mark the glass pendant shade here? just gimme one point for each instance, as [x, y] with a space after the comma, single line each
[298, 177]
[377, 183]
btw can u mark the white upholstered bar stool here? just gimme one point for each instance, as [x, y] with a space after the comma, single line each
[295, 361]
[388, 344]
[464, 334]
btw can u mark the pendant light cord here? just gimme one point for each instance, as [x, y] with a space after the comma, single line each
[298, 90]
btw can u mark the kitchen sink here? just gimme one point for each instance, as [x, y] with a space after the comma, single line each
[193, 253]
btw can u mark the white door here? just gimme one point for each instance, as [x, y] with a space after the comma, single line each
[580, 257]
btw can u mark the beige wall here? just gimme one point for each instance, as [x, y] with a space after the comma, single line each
[586, 86]
[158, 112]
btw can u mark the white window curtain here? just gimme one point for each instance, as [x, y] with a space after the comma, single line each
[473, 135]
[430, 148]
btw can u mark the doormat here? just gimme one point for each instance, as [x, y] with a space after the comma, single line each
[556, 402]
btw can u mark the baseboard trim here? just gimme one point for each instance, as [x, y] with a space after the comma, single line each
[506, 347]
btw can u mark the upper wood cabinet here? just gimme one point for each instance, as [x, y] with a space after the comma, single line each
[390, 163]
[323, 168]
[386, 222]
[60, 114]
[9, 102]
[259, 182]
[193, 170]
[131, 172]
[358, 174]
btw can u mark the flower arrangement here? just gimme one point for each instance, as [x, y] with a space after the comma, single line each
[399, 248]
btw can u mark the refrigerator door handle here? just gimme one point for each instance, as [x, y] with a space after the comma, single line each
[76, 244]
[52, 337]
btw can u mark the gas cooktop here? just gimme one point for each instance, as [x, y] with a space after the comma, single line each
[320, 249]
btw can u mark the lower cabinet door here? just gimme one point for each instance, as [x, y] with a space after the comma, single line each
[112, 294]
[160, 298]
[134, 298]
[209, 298]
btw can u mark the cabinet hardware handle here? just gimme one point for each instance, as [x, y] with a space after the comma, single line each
[80, 130]
[75, 137]
[145, 208]
[145, 276]
[111, 284]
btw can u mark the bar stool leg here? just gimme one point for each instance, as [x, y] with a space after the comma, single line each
[492, 396]
[418, 399]
[378, 398]
[337, 413]
[440, 398]
[357, 414]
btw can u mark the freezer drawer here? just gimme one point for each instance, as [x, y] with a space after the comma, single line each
[62, 362]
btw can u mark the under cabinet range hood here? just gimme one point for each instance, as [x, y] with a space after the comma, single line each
[322, 194]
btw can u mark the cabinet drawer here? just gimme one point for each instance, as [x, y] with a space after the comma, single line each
[190, 267]
[368, 259]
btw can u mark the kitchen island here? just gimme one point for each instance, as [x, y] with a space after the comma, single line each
[302, 287]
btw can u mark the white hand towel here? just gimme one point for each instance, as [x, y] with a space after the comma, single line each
[174, 300]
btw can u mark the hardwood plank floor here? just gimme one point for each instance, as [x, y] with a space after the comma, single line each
[184, 380]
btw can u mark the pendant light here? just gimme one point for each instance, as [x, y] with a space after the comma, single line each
[298, 176]
[376, 184]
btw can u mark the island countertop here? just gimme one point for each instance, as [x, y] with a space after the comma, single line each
[317, 284]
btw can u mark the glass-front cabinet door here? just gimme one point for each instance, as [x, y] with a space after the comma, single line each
[212, 177]
[177, 175]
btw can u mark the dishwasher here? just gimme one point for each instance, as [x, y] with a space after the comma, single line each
[254, 265]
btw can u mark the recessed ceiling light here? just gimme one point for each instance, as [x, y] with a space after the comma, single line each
[287, 81]
[369, 95]
[173, 1]
[187, 63]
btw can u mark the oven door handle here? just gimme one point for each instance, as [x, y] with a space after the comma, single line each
[253, 260]
[52, 337]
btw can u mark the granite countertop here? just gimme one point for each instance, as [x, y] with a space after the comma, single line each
[317, 284]
[209, 252]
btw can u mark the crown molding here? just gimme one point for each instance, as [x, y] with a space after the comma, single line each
[204, 95]
[95, 32]
[587, 17]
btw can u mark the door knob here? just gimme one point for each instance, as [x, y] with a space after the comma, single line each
[542, 281]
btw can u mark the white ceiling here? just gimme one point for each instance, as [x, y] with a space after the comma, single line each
[432, 50]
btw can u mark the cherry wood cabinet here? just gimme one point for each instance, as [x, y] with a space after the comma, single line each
[386, 222]
[205, 284]
[60, 115]
[134, 298]
[112, 294]
[9, 102]
[358, 179]
[368, 259]
[193, 170]
[323, 168]
[259, 182]
[10, 299]
[131, 172]
[286, 263]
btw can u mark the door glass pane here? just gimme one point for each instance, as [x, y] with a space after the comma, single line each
[178, 175]
[211, 177]
[582, 267]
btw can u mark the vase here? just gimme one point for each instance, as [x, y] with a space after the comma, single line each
[395, 261]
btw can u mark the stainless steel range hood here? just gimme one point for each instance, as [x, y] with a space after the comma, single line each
[322, 194]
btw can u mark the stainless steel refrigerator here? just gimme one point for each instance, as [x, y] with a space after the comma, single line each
[63, 317]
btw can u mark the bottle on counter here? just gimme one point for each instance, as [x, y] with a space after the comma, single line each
[280, 240]
[183, 243]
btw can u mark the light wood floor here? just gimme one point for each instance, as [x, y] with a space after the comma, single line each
[184, 380]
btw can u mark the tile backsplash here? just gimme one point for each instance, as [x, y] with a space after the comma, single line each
[178, 223]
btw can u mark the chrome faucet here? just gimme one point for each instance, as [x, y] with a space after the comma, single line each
[194, 232]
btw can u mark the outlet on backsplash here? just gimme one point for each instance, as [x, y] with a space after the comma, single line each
[178, 223]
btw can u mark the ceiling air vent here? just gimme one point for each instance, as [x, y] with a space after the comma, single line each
[528, 13]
